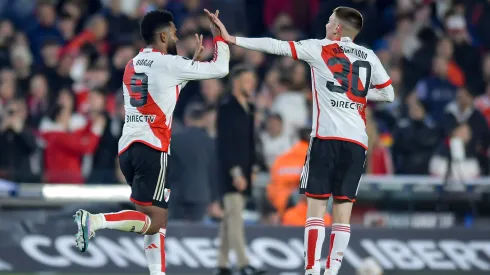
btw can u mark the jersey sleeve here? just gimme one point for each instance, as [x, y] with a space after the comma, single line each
[385, 94]
[186, 69]
[379, 77]
[297, 50]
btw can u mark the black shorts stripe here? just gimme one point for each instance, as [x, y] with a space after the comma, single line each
[306, 166]
[159, 181]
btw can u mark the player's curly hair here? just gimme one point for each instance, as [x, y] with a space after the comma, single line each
[152, 22]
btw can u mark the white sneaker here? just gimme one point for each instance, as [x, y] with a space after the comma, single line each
[84, 234]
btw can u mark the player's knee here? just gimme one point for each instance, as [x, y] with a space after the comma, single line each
[341, 210]
[158, 217]
[157, 221]
[155, 226]
[316, 207]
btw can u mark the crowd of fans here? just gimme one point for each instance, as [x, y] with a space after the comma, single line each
[61, 67]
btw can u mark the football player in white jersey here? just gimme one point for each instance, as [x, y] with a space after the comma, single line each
[342, 74]
[152, 83]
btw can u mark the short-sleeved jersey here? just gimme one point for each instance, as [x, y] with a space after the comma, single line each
[152, 83]
[341, 74]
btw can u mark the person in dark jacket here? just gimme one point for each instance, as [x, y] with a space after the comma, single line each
[463, 122]
[104, 164]
[192, 169]
[17, 143]
[236, 154]
[416, 138]
[436, 91]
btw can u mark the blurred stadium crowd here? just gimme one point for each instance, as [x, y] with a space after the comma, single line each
[61, 67]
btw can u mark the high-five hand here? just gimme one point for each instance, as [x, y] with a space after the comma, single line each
[224, 33]
[199, 47]
[214, 29]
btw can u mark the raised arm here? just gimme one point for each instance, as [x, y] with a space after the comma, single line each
[187, 69]
[297, 50]
[267, 45]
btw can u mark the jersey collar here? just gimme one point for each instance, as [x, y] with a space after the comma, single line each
[148, 50]
[345, 39]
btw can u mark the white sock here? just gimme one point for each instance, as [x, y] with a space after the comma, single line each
[339, 239]
[314, 237]
[155, 252]
[127, 221]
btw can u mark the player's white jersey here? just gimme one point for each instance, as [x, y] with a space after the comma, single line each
[341, 74]
[152, 83]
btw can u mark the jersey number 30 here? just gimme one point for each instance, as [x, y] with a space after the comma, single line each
[139, 85]
[349, 76]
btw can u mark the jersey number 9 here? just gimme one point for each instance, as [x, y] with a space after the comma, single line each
[349, 76]
[139, 85]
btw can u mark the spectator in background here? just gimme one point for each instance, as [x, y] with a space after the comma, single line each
[49, 58]
[67, 25]
[378, 158]
[94, 77]
[482, 103]
[486, 69]
[445, 50]
[103, 168]
[274, 140]
[301, 14]
[390, 112]
[45, 29]
[299, 77]
[452, 160]
[467, 137]
[232, 12]
[7, 32]
[257, 60]
[211, 91]
[415, 139]
[17, 143]
[465, 54]
[237, 55]
[436, 91]
[236, 154]
[421, 63]
[21, 60]
[95, 34]
[215, 211]
[290, 103]
[8, 86]
[75, 9]
[210, 121]
[68, 139]
[482, 19]
[285, 174]
[192, 169]
[61, 77]
[121, 26]
[119, 117]
[181, 9]
[37, 99]
[121, 57]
